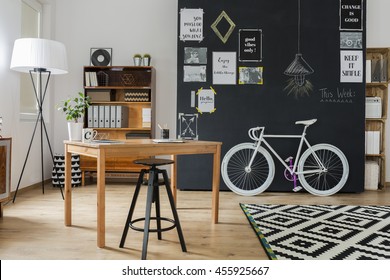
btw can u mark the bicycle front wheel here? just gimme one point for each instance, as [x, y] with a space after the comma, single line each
[241, 178]
[323, 183]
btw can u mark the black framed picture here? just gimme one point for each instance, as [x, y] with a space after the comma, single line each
[250, 45]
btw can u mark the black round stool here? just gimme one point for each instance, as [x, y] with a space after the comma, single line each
[153, 196]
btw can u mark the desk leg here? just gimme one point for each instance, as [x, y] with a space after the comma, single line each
[101, 198]
[216, 183]
[68, 187]
[174, 178]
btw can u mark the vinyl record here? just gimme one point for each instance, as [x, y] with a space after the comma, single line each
[100, 57]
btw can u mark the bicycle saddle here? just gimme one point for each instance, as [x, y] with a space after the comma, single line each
[306, 122]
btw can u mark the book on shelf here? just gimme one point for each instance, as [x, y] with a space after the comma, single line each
[87, 79]
[91, 79]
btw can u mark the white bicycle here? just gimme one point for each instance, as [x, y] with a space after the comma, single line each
[248, 168]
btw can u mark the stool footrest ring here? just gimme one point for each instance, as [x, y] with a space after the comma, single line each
[131, 224]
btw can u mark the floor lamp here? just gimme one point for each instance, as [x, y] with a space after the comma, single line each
[39, 57]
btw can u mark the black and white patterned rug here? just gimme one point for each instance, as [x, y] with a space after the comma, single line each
[322, 232]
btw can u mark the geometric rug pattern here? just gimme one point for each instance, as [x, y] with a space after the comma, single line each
[321, 232]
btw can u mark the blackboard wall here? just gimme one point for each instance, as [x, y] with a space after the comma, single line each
[317, 30]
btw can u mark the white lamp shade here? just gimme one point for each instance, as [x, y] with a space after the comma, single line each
[32, 53]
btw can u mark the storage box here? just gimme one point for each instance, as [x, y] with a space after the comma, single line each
[371, 175]
[373, 142]
[137, 97]
[373, 107]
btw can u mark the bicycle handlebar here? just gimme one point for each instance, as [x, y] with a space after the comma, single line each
[255, 133]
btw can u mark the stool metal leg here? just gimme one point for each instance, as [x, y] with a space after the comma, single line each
[149, 201]
[157, 201]
[132, 207]
[153, 196]
[174, 211]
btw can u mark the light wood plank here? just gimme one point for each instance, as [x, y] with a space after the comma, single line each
[33, 227]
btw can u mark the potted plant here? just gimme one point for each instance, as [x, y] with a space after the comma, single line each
[137, 59]
[146, 59]
[74, 109]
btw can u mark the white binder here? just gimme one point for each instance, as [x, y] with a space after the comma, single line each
[90, 117]
[101, 116]
[107, 114]
[95, 116]
[113, 116]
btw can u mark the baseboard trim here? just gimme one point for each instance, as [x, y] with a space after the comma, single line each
[30, 187]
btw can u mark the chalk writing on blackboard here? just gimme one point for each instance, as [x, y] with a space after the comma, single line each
[250, 45]
[351, 15]
[298, 69]
[214, 26]
[191, 25]
[338, 95]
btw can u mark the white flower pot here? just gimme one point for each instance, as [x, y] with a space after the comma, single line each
[75, 131]
[146, 61]
[137, 61]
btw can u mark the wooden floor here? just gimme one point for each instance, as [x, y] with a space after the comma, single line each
[33, 226]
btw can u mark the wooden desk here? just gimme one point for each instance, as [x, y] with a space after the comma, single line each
[136, 148]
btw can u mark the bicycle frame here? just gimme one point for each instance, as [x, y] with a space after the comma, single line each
[259, 139]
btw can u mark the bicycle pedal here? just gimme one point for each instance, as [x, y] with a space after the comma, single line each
[297, 189]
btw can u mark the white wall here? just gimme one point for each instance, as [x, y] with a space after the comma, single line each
[127, 26]
[13, 126]
[378, 35]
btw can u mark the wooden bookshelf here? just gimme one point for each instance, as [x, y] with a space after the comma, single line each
[131, 87]
[377, 81]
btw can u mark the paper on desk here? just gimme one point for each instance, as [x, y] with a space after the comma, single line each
[168, 141]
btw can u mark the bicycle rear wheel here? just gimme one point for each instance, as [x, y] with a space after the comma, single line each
[243, 180]
[323, 183]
